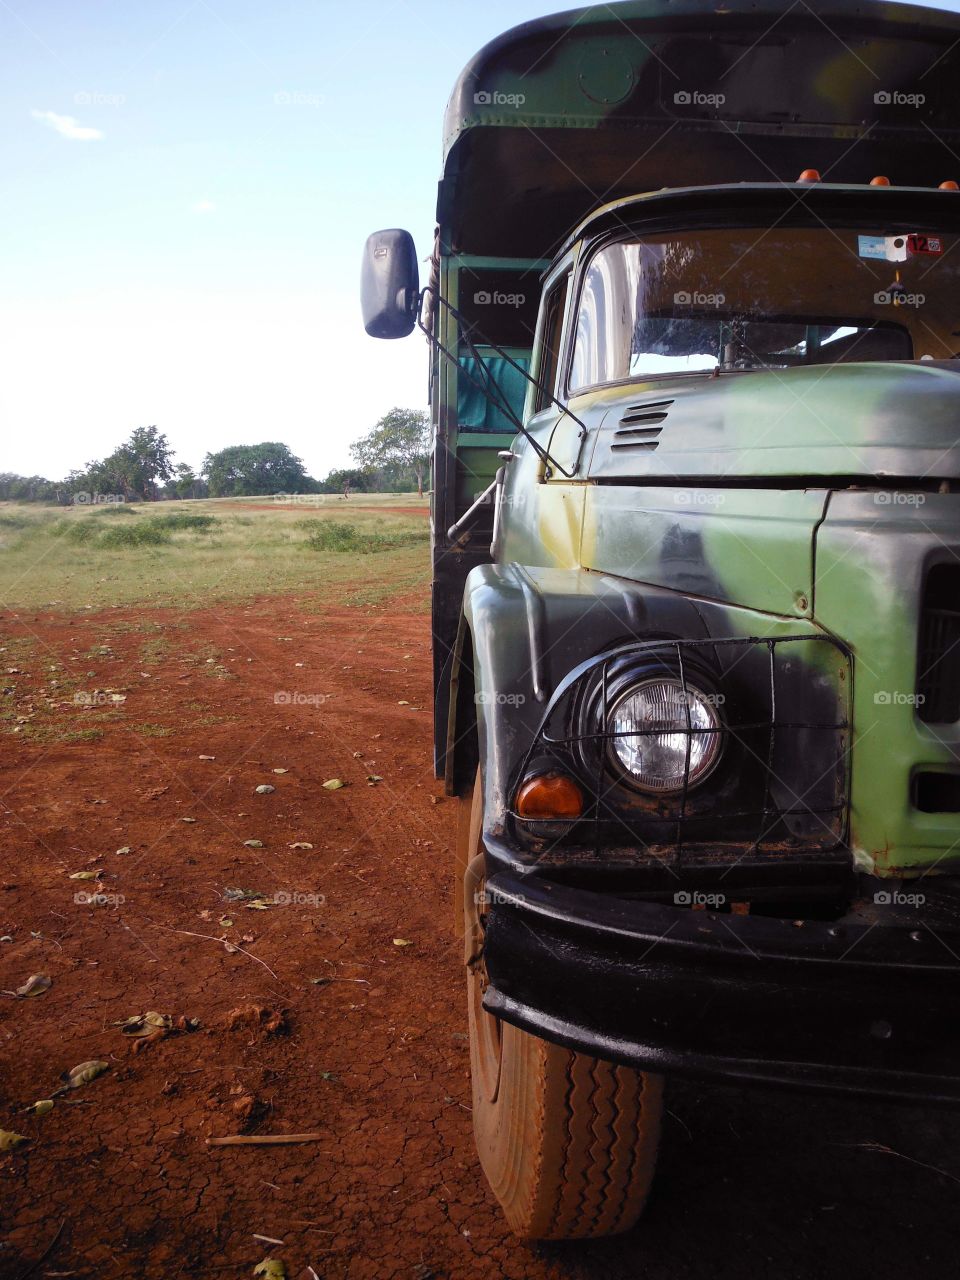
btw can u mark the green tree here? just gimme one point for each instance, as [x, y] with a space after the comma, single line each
[185, 484]
[246, 469]
[345, 479]
[398, 446]
[14, 488]
[133, 469]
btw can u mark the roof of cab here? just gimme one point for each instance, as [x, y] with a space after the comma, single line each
[556, 116]
[782, 203]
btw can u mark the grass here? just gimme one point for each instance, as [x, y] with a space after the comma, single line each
[195, 554]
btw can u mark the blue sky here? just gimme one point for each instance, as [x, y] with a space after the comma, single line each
[196, 265]
[187, 187]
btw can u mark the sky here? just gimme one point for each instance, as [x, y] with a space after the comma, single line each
[187, 186]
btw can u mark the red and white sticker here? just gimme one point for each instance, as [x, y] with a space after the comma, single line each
[922, 243]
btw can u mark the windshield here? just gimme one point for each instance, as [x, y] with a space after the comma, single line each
[765, 299]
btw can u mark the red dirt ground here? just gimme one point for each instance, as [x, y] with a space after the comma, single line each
[118, 1181]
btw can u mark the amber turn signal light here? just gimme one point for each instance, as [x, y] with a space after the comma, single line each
[949, 185]
[550, 795]
[809, 175]
[880, 181]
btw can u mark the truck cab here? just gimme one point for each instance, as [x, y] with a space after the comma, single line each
[695, 380]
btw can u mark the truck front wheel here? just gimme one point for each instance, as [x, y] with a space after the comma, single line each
[568, 1142]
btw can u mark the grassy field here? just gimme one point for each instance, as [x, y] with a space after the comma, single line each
[189, 554]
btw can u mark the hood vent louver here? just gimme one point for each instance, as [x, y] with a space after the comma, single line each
[641, 425]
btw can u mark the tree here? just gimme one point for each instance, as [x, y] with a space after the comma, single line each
[346, 478]
[133, 469]
[247, 469]
[185, 484]
[398, 445]
[14, 488]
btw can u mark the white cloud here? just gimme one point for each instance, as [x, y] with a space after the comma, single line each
[204, 206]
[67, 127]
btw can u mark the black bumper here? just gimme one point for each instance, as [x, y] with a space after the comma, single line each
[850, 1007]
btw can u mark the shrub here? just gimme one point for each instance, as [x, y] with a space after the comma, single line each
[335, 535]
[145, 533]
[184, 520]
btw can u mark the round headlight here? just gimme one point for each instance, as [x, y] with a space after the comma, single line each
[654, 739]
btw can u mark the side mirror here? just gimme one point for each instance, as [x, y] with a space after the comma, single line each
[390, 284]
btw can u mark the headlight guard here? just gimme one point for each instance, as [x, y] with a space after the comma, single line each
[764, 756]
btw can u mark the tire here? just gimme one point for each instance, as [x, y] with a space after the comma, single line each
[568, 1142]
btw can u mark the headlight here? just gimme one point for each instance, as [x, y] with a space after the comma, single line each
[654, 735]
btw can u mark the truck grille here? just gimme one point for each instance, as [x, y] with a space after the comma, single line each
[938, 656]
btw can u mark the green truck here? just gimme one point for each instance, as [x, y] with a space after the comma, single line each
[693, 313]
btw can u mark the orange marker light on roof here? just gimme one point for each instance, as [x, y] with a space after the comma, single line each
[809, 175]
[949, 185]
[551, 795]
[880, 181]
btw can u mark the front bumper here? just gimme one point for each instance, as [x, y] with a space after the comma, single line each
[849, 1007]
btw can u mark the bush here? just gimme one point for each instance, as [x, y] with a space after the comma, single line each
[335, 535]
[184, 520]
[76, 530]
[145, 533]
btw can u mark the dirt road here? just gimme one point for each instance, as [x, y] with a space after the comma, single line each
[313, 1016]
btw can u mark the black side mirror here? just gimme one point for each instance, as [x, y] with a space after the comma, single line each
[390, 284]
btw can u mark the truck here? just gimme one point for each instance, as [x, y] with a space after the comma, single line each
[694, 343]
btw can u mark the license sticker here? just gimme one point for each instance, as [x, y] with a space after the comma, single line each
[924, 244]
[872, 247]
[887, 248]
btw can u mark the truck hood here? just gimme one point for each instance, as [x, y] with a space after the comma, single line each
[899, 419]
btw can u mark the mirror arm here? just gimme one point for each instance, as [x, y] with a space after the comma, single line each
[467, 518]
[498, 399]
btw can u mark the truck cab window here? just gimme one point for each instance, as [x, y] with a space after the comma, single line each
[554, 307]
[692, 302]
